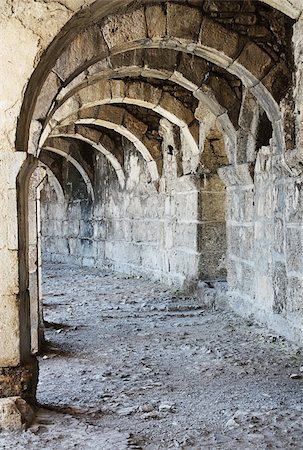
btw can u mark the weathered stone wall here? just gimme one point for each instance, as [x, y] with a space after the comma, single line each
[146, 229]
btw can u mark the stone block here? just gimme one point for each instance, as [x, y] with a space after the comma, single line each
[135, 126]
[123, 29]
[15, 414]
[100, 229]
[46, 96]
[241, 241]
[212, 206]
[178, 18]
[176, 108]
[155, 21]
[9, 330]
[255, 60]
[280, 282]
[212, 266]
[86, 229]
[212, 237]
[97, 91]
[144, 92]
[240, 205]
[160, 59]
[9, 272]
[294, 294]
[185, 235]
[88, 248]
[294, 249]
[217, 37]
[118, 89]
[193, 68]
[130, 59]
[86, 46]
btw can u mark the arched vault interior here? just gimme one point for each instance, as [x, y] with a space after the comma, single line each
[140, 113]
[170, 133]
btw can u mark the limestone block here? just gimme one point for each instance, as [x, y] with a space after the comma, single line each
[125, 28]
[145, 92]
[46, 96]
[178, 18]
[118, 88]
[88, 261]
[86, 46]
[93, 92]
[88, 248]
[241, 241]
[155, 21]
[267, 101]
[294, 249]
[240, 205]
[255, 60]
[279, 277]
[223, 91]
[184, 263]
[277, 80]
[213, 206]
[241, 276]
[9, 272]
[110, 114]
[15, 414]
[134, 125]
[217, 37]
[294, 295]
[130, 59]
[9, 331]
[100, 252]
[212, 266]
[89, 133]
[151, 257]
[171, 104]
[163, 60]
[74, 246]
[192, 68]
[86, 229]
[208, 98]
[212, 236]
[185, 235]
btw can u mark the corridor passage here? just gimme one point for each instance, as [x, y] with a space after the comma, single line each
[132, 364]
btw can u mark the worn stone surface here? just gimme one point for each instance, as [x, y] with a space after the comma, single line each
[140, 352]
[15, 414]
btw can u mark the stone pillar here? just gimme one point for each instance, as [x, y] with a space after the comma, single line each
[240, 224]
[298, 57]
[37, 328]
[18, 368]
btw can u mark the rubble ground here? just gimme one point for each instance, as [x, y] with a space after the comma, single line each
[133, 364]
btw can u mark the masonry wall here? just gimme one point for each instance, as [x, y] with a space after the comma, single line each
[147, 228]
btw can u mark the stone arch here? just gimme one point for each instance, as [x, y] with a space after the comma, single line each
[99, 142]
[76, 164]
[206, 39]
[123, 123]
[56, 184]
[212, 236]
[137, 93]
[204, 95]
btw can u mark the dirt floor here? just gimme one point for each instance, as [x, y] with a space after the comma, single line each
[132, 364]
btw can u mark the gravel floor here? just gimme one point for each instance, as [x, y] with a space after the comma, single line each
[132, 364]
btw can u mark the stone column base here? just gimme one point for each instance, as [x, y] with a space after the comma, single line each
[20, 381]
[15, 414]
